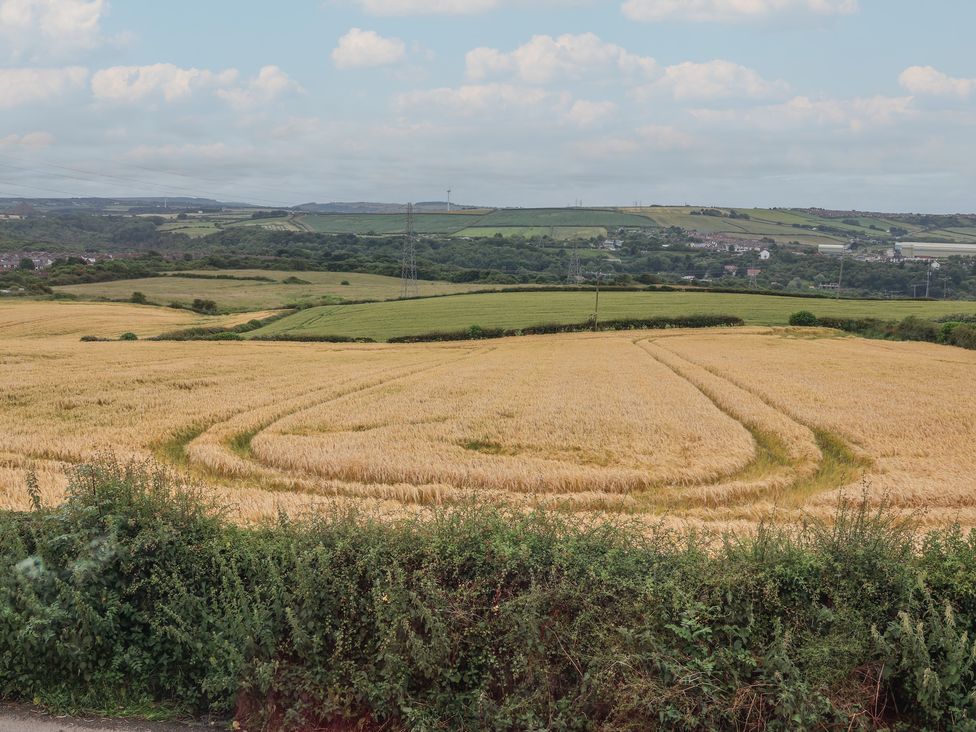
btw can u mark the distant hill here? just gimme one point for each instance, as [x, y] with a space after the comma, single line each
[105, 205]
[365, 207]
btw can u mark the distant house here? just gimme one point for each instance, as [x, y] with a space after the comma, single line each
[731, 269]
[764, 255]
[753, 272]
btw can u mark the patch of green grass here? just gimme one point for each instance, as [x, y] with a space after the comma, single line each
[240, 444]
[484, 446]
[839, 467]
[173, 450]
[512, 310]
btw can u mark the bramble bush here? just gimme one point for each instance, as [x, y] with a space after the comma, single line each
[136, 591]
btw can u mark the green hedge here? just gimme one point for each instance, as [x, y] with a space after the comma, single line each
[478, 333]
[134, 593]
[221, 333]
[948, 332]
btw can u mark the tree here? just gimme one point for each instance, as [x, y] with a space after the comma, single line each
[26, 263]
[138, 298]
[207, 307]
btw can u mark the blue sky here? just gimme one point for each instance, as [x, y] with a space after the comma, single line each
[863, 104]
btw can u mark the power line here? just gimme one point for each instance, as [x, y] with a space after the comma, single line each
[409, 287]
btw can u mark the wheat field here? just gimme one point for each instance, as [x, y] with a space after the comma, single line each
[718, 428]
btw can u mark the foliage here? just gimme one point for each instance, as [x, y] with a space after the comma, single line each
[476, 332]
[205, 307]
[128, 337]
[803, 318]
[911, 328]
[135, 592]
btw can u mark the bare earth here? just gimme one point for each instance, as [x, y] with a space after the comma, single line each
[16, 718]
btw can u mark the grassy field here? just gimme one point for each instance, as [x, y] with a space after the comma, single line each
[521, 309]
[778, 224]
[715, 427]
[522, 222]
[559, 233]
[388, 223]
[242, 295]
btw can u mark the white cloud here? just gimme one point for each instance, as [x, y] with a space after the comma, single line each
[360, 49]
[427, 7]
[584, 113]
[730, 11]
[270, 84]
[473, 99]
[54, 25]
[855, 115]
[30, 141]
[135, 83]
[544, 59]
[716, 80]
[648, 138]
[27, 86]
[926, 80]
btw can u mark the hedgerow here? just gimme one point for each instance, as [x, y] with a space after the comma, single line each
[478, 333]
[136, 591]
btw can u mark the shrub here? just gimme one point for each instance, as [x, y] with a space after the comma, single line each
[92, 339]
[135, 592]
[478, 333]
[962, 335]
[128, 337]
[205, 307]
[344, 283]
[803, 318]
[913, 328]
[138, 298]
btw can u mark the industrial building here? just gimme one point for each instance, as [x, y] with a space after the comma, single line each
[934, 250]
[834, 250]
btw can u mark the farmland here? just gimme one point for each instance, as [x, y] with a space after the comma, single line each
[256, 293]
[522, 309]
[522, 222]
[709, 427]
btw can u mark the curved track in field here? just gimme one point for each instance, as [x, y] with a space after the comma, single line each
[793, 460]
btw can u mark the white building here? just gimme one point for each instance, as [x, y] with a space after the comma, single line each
[934, 250]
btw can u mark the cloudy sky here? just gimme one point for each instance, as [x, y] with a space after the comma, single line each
[866, 104]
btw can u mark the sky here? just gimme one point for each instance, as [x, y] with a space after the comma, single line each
[846, 104]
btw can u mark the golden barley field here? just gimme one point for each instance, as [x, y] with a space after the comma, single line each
[720, 427]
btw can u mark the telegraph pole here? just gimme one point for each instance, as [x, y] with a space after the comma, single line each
[596, 307]
[840, 279]
[928, 281]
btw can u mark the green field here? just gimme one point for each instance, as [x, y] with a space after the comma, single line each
[775, 223]
[518, 310]
[385, 224]
[508, 222]
[244, 295]
[558, 233]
